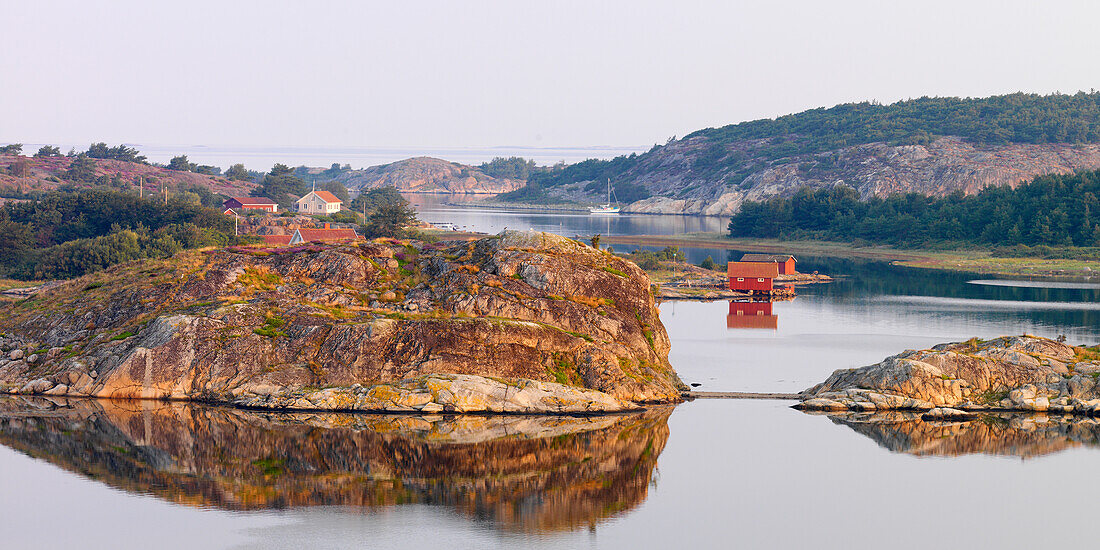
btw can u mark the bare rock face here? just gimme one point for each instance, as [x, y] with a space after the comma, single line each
[428, 175]
[1007, 373]
[942, 167]
[523, 322]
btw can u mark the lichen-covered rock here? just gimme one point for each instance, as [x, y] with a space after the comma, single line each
[461, 393]
[1010, 373]
[240, 324]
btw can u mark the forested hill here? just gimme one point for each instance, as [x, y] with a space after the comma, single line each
[931, 146]
[1052, 211]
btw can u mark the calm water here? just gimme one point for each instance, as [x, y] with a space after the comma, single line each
[709, 473]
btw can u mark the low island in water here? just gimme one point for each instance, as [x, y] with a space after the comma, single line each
[518, 322]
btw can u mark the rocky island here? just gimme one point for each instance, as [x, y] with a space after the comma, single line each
[518, 322]
[952, 381]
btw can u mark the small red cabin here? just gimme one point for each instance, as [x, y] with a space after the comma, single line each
[751, 315]
[785, 261]
[251, 203]
[752, 276]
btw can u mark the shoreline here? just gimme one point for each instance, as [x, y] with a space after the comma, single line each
[977, 261]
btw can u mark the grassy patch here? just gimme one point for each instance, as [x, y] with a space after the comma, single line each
[260, 278]
[121, 336]
[1087, 354]
[990, 397]
[614, 271]
[270, 328]
[563, 371]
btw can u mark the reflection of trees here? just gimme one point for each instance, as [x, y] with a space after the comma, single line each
[524, 473]
[1011, 434]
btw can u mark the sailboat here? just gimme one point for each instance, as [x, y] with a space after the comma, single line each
[605, 208]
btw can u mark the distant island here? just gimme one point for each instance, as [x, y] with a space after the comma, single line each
[930, 146]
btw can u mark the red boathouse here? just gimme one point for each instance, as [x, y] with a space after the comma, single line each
[752, 276]
[785, 261]
[251, 203]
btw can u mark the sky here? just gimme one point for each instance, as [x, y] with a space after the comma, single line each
[509, 73]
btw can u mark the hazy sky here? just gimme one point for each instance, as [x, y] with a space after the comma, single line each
[449, 73]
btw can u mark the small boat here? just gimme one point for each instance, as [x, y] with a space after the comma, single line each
[605, 208]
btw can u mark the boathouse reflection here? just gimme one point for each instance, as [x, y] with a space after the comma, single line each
[752, 315]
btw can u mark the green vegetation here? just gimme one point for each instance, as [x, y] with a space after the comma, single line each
[238, 172]
[61, 235]
[48, 151]
[11, 149]
[270, 328]
[279, 185]
[614, 271]
[119, 152]
[650, 261]
[1053, 211]
[511, 168]
[388, 213]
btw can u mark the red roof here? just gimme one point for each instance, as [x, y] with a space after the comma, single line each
[276, 239]
[327, 197]
[310, 235]
[769, 270]
[252, 200]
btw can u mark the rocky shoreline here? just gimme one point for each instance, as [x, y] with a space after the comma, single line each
[952, 381]
[514, 323]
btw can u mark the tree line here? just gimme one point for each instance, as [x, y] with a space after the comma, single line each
[62, 234]
[1053, 210]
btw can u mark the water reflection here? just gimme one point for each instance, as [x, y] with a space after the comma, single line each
[1004, 434]
[752, 315]
[518, 473]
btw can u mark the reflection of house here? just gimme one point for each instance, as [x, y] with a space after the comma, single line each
[752, 315]
[785, 262]
[752, 276]
[324, 235]
[251, 203]
[319, 202]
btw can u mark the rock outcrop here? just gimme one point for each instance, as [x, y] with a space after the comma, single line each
[942, 167]
[428, 175]
[519, 473]
[520, 322]
[1007, 373]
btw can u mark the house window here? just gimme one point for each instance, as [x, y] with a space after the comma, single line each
[740, 279]
[760, 280]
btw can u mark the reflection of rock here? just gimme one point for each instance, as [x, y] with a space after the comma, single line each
[1007, 373]
[1011, 434]
[526, 472]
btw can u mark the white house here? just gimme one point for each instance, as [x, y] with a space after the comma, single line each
[319, 202]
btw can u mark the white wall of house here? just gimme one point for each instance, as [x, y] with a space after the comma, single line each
[313, 204]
